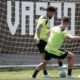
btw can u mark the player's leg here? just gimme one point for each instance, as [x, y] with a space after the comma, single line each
[61, 67]
[44, 68]
[60, 63]
[41, 47]
[70, 58]
[47, 57]
[39, 67]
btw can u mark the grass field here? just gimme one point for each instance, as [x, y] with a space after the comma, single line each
[25, 74]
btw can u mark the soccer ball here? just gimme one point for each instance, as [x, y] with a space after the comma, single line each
[62, 74]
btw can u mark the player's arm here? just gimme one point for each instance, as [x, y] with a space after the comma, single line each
[37, 31]
[69, 36]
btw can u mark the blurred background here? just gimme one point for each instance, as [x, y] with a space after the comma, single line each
[20, 50]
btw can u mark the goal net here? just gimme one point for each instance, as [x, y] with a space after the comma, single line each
[17, 27]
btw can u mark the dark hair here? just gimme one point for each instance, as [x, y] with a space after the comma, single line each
[51, 8]
[65, 19]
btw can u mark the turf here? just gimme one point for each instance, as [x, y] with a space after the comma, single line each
[25, 74]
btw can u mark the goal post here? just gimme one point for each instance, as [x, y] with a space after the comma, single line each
[17, 27]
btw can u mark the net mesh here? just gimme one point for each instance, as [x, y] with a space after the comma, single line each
[24, 44]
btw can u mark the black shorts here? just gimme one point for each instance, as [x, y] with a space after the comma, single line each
[41, 46]
[48, 55]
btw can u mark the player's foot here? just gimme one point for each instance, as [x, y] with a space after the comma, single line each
[69, 76]
[47, 76]
[62, 71]
[62, 67]
[31, 77]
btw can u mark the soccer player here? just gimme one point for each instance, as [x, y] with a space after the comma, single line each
[56, 36]
[43, 25]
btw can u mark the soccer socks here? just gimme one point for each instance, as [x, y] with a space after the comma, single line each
[45, 72]
[35, 73]
[60, 64]
[69, 72]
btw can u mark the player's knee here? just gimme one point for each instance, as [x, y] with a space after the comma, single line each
[71, 55]
[40, 65]
[45, 62]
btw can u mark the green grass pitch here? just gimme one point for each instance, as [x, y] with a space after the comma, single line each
[26, 73]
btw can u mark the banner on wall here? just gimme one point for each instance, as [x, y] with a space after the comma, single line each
[27, 9]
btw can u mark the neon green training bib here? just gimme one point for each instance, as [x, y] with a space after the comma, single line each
[55, 41]
[44, 21]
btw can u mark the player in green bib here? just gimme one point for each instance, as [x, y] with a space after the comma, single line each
[42, 27]
[56, 38]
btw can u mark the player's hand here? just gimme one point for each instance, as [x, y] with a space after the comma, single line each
[36, 40]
